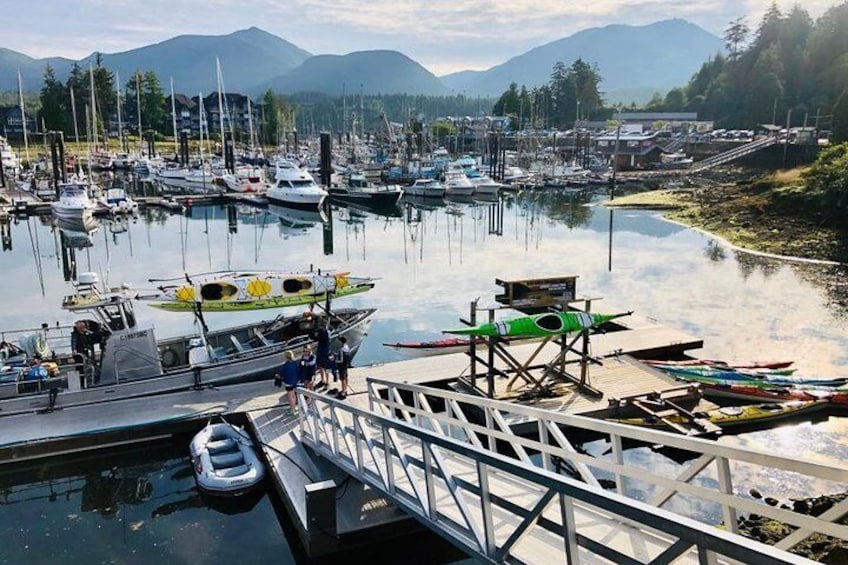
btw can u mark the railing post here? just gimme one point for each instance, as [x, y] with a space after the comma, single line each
[357, 441]
[569, 530]
[725, 483]
[486, 509]
[390, 469]
[543, 439]
[618, 458]
[429, 485]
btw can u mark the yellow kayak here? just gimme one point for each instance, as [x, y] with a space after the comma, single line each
[729, 416]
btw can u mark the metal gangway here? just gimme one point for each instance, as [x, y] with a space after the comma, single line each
[733, 154]
[463, 473]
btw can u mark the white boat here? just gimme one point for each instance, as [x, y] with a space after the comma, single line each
[76, 233]
[117, 201]
[247, 178]
[132, 362]
[73, 203]
[100, 160]
[457, 183]
[428, 188]
[123, 161]
[295, 187]
[225, 460]
[515, 174]
[485, 186]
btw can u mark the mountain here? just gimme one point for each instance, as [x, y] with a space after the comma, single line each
[640, 59]
[248, 57]
[32, 70]
[376, 72]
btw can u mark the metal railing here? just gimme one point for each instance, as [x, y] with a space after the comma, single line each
[712, 476]
[733, 154]
[498, 508]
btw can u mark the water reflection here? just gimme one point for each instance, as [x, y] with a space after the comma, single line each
[128, 505]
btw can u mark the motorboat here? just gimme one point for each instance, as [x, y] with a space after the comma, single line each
[428, 188]
[123, 161]
[485, 186]
[73, 202]
[246, 178]
[358, 190]
[295, 187]
[457, 183]
[117, 201]
[224, 459]
[171, 204]
[132, 362]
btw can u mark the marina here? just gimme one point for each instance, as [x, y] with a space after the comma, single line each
[306, 479]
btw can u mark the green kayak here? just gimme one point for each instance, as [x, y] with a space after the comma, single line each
[549, 323]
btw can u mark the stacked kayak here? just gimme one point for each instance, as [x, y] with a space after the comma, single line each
[229, 291]
[730, 416]
[539, 325]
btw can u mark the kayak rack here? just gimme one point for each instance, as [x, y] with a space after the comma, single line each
[527, 370]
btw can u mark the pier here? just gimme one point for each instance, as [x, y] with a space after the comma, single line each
[415, 448]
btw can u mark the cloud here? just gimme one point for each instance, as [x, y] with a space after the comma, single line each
[443, 35]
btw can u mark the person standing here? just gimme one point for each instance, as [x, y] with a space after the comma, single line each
[342, 365]
[322, 337]
[307, 367]
[289, 374]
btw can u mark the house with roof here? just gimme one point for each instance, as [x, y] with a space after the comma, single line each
[633, 148]
[11, 124]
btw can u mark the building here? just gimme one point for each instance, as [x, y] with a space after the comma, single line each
[235, 118]
[674, 122]
[636, 149]
[11, 123]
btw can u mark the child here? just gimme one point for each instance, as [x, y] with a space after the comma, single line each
[307, 367]
[342, 365]
[289, 375]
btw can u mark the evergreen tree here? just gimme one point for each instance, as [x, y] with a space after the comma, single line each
[54, 109]
[735, 36]
[153, 110]
[839, 127]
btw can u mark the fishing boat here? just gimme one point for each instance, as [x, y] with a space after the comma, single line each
[539, 325]
[436, 347]
[229, 291]
[117, 201]
[357, 190]
[734, 416]
[224, 460]
[457, 182]
[132, 362]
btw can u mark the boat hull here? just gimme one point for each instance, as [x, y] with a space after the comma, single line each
[226, 365]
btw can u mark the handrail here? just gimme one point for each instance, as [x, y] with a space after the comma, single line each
[483, 422]
[499, 509]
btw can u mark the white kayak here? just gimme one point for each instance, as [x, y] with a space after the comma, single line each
[224, 460]
[227, 291]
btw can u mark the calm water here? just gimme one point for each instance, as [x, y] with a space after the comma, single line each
[432, 264]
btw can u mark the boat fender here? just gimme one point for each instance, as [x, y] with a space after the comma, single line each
[170, 358]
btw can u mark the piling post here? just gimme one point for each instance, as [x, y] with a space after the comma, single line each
[326, 158]
[321, 518]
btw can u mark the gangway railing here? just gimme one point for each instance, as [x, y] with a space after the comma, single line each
[733, 154]
[500, 509]
[713, 476]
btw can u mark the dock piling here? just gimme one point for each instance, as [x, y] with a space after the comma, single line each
[321, 517]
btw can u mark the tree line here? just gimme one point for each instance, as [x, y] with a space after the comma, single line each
[790, 67]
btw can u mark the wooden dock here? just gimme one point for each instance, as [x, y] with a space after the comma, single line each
[331, 511]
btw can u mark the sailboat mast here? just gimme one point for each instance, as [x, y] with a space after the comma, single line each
[138, 107]
[23, 118]
[174, 119]
[250, 123]
[92, 106]
[120, 123]
[220, 103]
[74, 112]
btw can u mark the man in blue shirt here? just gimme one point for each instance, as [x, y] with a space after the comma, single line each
[290, 376]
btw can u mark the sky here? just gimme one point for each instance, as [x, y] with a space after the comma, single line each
[443, 35]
